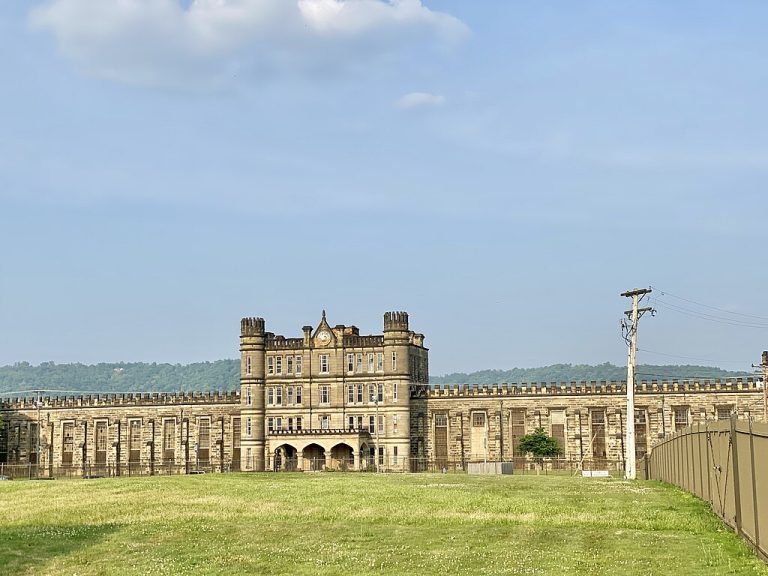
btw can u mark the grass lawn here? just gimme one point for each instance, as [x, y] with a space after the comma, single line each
[362, 524]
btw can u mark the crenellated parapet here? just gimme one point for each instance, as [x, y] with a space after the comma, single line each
[252, 326]
[595, 388]
[127, 399]
[353, 341]
[395, 321]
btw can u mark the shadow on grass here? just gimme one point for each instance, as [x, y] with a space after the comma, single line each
[22, 547]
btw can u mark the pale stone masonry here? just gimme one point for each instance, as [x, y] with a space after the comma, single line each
[335, 399]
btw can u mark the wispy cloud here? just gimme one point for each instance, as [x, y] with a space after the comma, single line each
[419, 100]
[163, 42]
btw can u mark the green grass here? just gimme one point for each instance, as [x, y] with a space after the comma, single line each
[362, 524]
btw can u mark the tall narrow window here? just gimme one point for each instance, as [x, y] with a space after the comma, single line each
[279, 395]
[248, 427]
[289, 364]
[67, 443]
[641, 433]
[203, 440]
[598, 434]
[279, 423]
[350, 362]
[289, 395]
[102, 441]
[517, 426]
[359, 393]
[169, 440]
[248, 398]
[323, 363]
[270, 395]
[236, 443]
[248, 365]
[290, 424]
[394, 392]
[557, 420]
[325, 422]
[298, 394]
[380, 393]
[270, 425]
[134, 441]
[381, 455]
[394, 424]
[382, 429]
[350, 394]
[379, 361]
[351, 422]
[279, 364]
[371, 392]
[298, 423]
[324, 394]
[360, 422]
[359, 361]
[370, 361]
[372, 424]
[394, 360]
[298, 364]
[270, 365]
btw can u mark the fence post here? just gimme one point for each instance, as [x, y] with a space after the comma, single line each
[753, 473]
[736, 486]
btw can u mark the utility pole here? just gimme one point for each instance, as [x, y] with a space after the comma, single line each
[764, 366]
[630, 336]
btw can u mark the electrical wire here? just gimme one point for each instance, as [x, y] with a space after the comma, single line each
[665, 293]
[708, 317]
[694, 358]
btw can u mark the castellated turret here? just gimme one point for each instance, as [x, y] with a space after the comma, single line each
[396, 321]
[251, 326]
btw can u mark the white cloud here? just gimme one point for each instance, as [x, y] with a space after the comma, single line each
[162, 42]
[419, 99]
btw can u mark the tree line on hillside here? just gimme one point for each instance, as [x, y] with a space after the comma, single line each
[22, 377]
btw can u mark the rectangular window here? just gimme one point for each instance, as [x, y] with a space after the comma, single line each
[681, 416]
[290, 424]
[370, 361]
[67, 443]
[270, 365]
[248, 399]
[372, 424]
[279, 395]
[641, 433]
[298, 394]
[279, 424]
[394, 392]
[380, 393]
[102, 441]
[350, 394]
[289, 394]
[270, 396]
[350, 362]
[203, 439]
[169, 439]
[325, 422]
[289, 364]
[598, 434]
[248, 365]
[323, 363]
[724, 412]
[134, 441]
[394, 424]
[298, 423]
[324, 394]
[394, 455]
[371, 392]
[248, 427]
[351, 422]
[270, 424]
[359, 361]
[298, 364]
[381, 455]
[360, 422]
[557, 421]
[379, 361]
[236, 434]
[382, 429]
[517, 426]
[279, 364]
[394, 360]
[359, 392]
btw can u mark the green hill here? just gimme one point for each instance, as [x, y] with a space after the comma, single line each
[223, 375]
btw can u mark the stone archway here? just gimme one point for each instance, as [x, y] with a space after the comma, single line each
[285, 458]
[342, 457]
[313, 457]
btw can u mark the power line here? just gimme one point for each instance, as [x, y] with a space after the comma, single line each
[692, 357]
[693, 376]
[708, 317]
[665, 293]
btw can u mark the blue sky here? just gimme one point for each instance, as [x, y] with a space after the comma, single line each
[502, 170]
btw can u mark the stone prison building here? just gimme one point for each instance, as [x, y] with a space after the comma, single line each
[332, 399]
